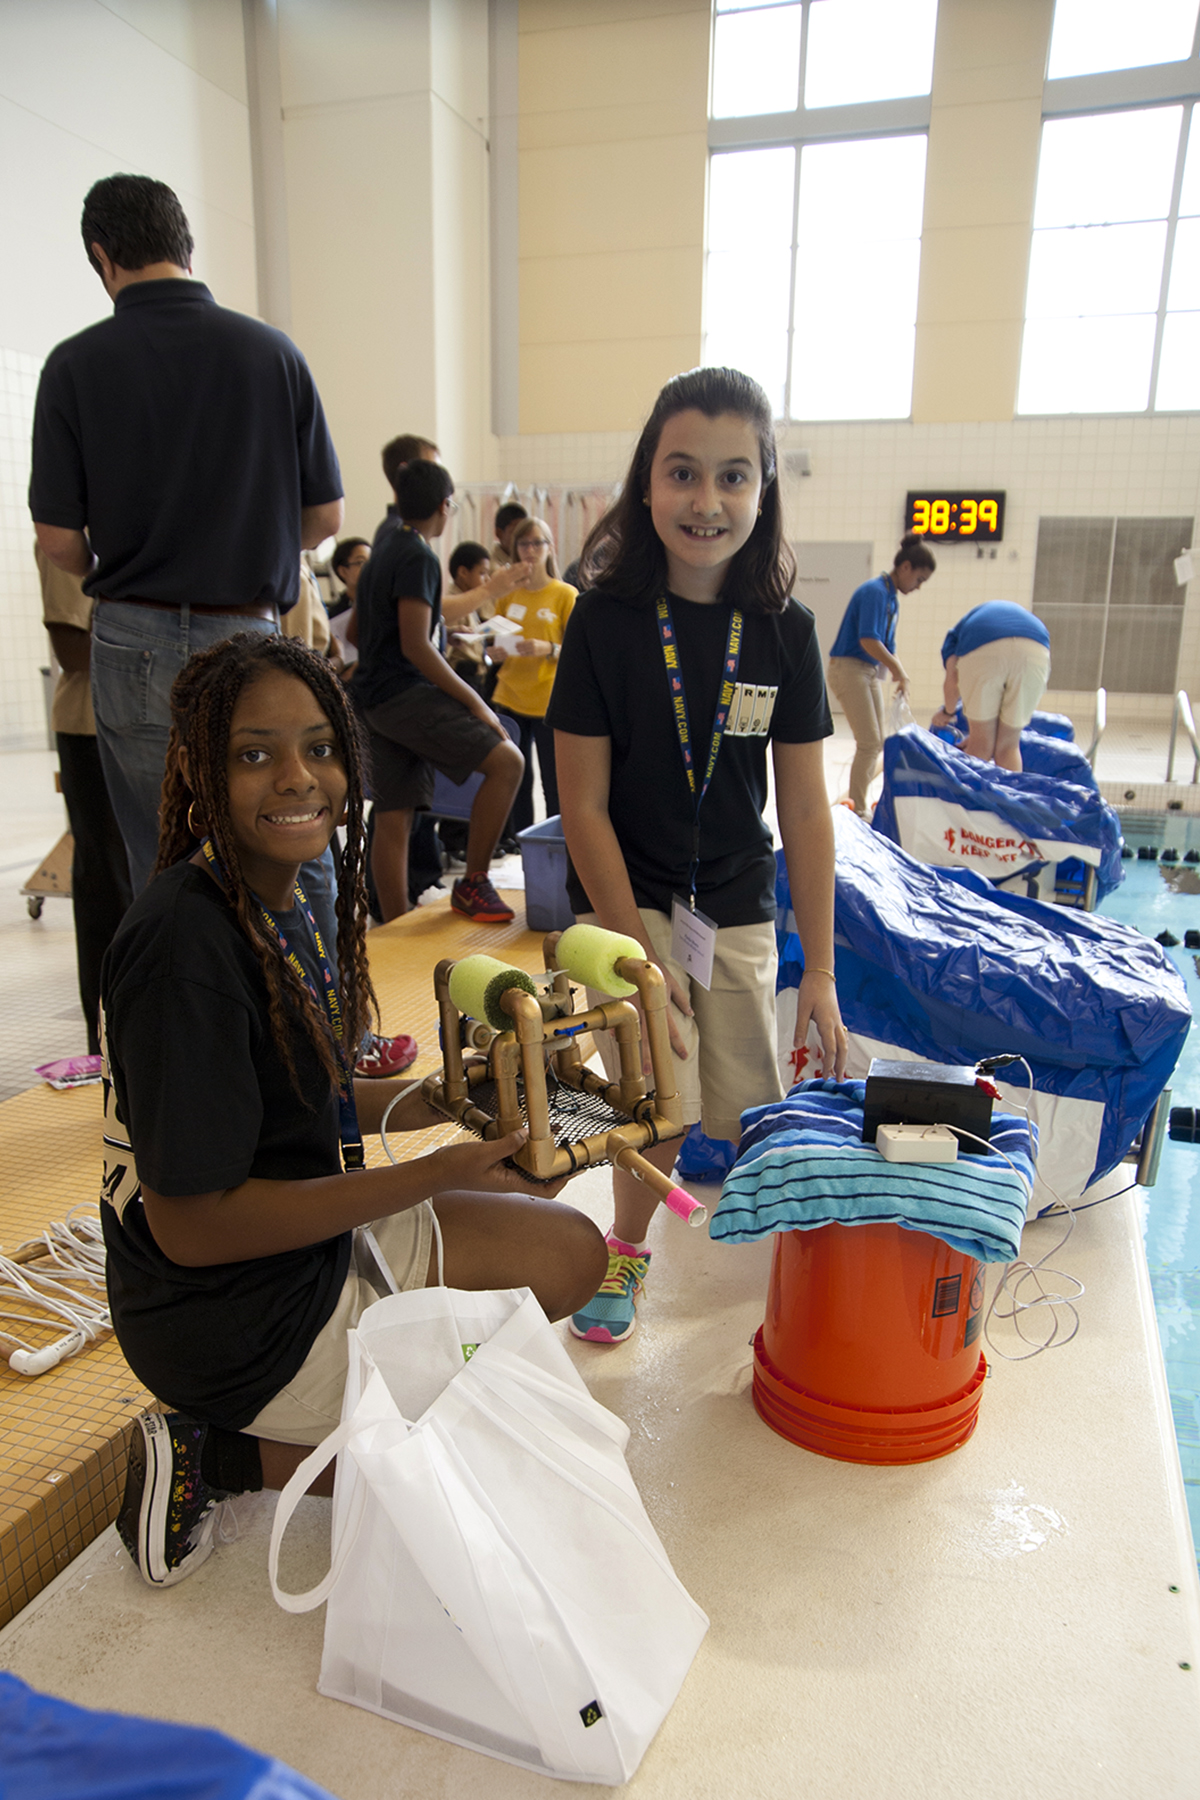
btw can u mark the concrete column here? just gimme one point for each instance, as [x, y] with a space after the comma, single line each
[385, 148]
[984, 134]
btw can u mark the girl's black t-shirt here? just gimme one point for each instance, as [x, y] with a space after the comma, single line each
[197, 1088]
[612, 682]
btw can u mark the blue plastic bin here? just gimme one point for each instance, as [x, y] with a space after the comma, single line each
[544, 860]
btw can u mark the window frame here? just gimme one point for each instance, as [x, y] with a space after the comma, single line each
[1153, 86]
[906, 117]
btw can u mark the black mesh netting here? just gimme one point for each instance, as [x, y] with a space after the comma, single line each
[573, 1116]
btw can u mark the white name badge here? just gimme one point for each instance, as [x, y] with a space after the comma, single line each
[693, 941]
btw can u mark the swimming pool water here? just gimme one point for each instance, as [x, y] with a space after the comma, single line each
[1171, 1221]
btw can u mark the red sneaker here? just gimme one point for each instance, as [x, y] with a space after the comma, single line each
[475, 896]
[386, 1056]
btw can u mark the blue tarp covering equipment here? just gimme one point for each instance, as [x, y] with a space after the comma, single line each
[944, 805]
[1055, 725]
[951, 969]
[1042, 754]
[51, 1750]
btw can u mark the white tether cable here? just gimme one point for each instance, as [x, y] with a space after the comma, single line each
[58, 1275]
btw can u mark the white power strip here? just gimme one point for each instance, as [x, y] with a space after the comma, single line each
[917, 1143]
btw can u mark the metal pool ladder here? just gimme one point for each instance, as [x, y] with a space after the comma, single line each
[1099, 723]
[1183, 710]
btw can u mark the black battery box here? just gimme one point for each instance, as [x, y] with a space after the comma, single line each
[921, 1093]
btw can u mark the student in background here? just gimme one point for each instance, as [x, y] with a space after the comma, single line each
[100, 887]
[421, 715]
[541, 607]
[348, 561]
[508, 517]
[864, 648]
[997, 661]
[470, 568]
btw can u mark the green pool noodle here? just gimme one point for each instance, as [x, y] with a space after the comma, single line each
[588, 953]
[476, 984]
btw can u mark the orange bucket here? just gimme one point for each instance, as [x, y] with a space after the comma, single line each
[870, 1348]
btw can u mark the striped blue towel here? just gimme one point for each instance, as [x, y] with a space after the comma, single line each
[802, 1164]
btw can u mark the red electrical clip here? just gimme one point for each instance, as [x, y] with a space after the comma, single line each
[989, 1087]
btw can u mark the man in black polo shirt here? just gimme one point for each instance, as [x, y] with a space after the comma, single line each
[181, 461]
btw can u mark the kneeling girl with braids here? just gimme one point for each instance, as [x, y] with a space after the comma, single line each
[234, 1170]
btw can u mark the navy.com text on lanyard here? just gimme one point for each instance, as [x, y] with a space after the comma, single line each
[733, 652]
[348, 1131]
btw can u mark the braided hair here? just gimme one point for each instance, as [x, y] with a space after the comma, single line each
[202, 703]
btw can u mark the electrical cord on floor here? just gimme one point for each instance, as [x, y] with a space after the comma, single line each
[74, 1250]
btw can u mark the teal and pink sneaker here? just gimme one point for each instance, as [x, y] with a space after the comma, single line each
[610, 1316]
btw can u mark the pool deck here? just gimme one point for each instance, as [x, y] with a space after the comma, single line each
[1019, 1618]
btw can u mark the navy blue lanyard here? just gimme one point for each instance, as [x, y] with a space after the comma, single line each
[733, 653]
[353, 1156]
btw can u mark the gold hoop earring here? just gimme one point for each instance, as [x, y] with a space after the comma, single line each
[197, 831]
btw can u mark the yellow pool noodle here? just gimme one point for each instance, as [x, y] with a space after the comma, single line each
[588, 953]
[476, 984]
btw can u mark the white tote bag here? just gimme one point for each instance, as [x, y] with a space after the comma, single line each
[495, 1579]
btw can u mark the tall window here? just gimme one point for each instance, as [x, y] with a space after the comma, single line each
[819, 120]
[1112, 312]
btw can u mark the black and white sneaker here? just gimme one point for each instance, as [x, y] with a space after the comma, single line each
[169, 1511]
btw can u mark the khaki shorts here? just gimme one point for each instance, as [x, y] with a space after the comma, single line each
[732, 1061]
[1004, 680]
[310, 1406]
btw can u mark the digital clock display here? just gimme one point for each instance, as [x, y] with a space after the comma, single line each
[956, 517]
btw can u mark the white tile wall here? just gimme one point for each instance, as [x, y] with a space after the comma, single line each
[25, 647]
[1083, 467]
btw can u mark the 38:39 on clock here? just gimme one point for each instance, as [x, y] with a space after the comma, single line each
[968, 517]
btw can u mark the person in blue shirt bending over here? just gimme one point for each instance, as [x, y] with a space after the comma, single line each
[864, 648]
[997, 661]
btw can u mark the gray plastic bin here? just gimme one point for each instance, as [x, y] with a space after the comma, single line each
[544, 860]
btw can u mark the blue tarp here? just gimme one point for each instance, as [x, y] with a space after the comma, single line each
[703, 1158]
[949, 788]
[1055, 725]
[52, 1750]
[952, 969]
[1042, 754]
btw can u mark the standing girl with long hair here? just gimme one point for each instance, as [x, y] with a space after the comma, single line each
[676, 671]
[234, 1172]
[541, 606]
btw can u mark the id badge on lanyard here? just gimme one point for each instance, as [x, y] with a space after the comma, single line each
[693, 934]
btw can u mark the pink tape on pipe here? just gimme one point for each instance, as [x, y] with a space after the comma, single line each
[684, 1207]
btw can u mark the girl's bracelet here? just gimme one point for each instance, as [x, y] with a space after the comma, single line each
[811, 969]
